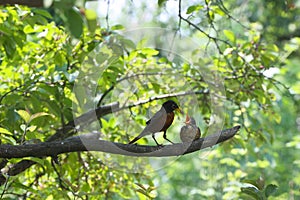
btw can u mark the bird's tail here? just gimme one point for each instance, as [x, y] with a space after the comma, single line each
[142, 134]
[135, 139]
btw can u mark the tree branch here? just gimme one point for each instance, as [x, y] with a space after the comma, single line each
[31, 3]
[101, 111]
[91, 142]
[86, 118]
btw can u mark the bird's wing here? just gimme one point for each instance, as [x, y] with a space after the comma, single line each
[156, 123]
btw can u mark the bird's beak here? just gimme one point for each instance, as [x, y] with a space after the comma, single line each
[187, 119]
[179, 110]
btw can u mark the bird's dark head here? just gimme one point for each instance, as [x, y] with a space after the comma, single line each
[170, 106]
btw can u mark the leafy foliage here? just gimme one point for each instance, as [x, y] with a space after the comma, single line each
[59, 63]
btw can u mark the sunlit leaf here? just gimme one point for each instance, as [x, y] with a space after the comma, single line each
[91, 17]
[90, 14]
[230, 35]
[193, 8]
[31, 128]
[24, 115]
[117, 27]
[37, 115]
[23, 127]
[230, 162]
[5, 131]
[7, 139]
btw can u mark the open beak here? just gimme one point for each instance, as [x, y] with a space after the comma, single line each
[187, 119]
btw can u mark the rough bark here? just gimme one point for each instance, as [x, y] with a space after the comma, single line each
[91, 142]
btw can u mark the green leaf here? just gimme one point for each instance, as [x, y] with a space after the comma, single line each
[253, 182]
[23, 127]
[270, 189]
[38, 160]
[230, 35]
[277, 117]
[28, 29]
[186, 67]
[5, 30]
[91, 17]
[90, 14]
[156, 87]
[5, 131]
[150, 52]
[230, 162]
[24, 115]
[41, 12]
[31, 128]
[161, 2]
[8, 139]
[193, 8]
[9, 46]
[30, 136]
[253, 192]
[117, 27]
[219, 11]
[211, 14]
[37, 115]
[75, 22]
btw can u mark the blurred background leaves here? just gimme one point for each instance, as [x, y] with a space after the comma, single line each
[252, 46]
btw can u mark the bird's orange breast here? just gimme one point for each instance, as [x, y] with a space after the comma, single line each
[169, 121]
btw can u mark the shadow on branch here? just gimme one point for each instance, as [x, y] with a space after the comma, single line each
[91, 142]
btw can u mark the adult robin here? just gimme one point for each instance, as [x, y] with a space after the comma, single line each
[190, 131]
[160, 121]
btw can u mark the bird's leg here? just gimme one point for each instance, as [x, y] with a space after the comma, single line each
[153, 136]
[165, 137]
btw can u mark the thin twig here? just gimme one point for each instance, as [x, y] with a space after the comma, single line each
[123, 79]
[177, 30]
[5, 187]
[60, 181]
[16, 89]
[225, 10]
[107, 14]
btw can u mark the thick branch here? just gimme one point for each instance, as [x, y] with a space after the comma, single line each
[30, 3]
[86, 118]
[90, 142]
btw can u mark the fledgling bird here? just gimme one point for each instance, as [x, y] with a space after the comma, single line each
[190, 131]
[160, 121]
